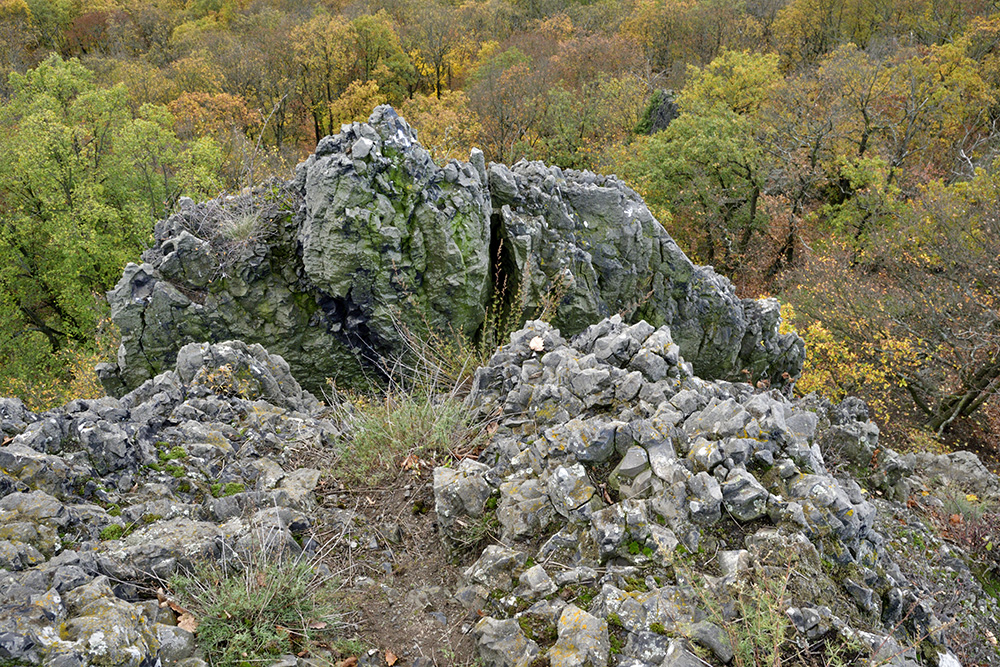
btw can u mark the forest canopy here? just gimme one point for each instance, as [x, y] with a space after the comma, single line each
[839, 154]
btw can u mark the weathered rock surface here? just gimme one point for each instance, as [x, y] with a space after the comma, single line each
[101, 496]
[372, 238]
[673, 498]
[637, 507]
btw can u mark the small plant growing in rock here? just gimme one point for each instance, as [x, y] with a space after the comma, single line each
[406, 428]
[220, 490]
[225, 381]
[258, 612]
[474, 534]
[758, 633]
[172, 454]
[113, 531]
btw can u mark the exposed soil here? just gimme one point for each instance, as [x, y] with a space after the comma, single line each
[398, 577]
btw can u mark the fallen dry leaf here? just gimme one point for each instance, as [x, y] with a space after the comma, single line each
[348, 662]
[955, 519]
[261, 580]
[179, 610]
[187, 621]
[390, 658]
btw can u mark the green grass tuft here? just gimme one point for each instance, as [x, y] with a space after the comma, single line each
[253, 616]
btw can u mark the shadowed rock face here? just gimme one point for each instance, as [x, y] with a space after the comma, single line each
[372, 236]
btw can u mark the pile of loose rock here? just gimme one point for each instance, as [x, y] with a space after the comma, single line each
[635, 502]
[104, 500]
[640, 513]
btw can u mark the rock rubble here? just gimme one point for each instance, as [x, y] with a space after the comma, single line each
[649, 497]
[103, 500]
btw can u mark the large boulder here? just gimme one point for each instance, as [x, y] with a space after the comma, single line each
[372, 242]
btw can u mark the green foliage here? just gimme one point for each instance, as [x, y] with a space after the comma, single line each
[708, 167]
[81, 180]
[220, 490]
[113, 531]
[758, 632]
[915, 299]
[267, 609]
[473, 534]
[175, 471]
[575, 124]
[174, 453]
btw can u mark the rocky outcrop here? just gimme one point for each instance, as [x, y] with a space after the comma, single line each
[372, 239]
[639, 513]
[103, 499]
[635, 498]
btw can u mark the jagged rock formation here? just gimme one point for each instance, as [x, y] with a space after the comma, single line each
[372, 237]
[644, 503]
[102, 498]
[635, 504]
[618, 471]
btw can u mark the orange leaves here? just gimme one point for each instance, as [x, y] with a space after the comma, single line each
[185, 619]
[197, 114]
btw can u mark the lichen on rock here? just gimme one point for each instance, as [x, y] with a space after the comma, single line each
[372, 242]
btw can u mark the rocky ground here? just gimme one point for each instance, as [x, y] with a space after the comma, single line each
[625, 503]
[622, 512]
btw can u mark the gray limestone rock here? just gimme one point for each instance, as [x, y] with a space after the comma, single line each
[372, 239]
[571, 492]
[503, 644]
[496, 567]
[459, 493]
[743, 496]
[583, 640]
[705, 500]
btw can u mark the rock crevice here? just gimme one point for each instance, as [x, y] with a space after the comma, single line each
[372, 239]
